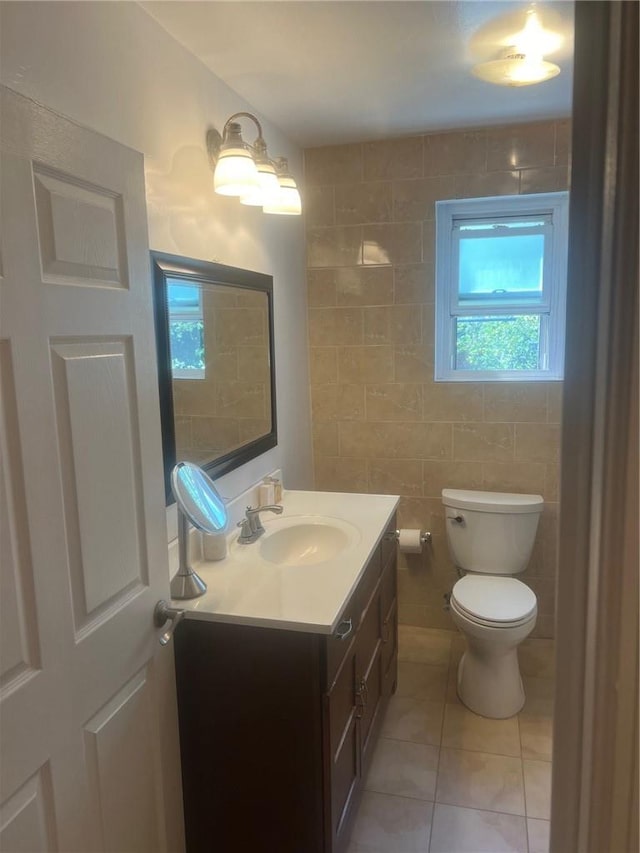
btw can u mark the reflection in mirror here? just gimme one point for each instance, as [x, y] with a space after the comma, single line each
[215, 363]
[220, 368]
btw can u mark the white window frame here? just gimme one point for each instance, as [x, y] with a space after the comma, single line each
[185, 314]
[552, 308]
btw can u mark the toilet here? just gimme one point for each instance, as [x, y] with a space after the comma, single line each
[490, 537]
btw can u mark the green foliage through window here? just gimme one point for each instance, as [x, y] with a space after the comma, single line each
[187, 344]
[498, 343]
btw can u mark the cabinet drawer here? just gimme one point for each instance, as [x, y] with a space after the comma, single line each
[338, 644]
[390, 678]
[344, 778]
[371, 685]
[388, 585]
[389, 636]
[369, 580]
[368, 637]
[343, 758]
[389, 544]
[342, 702]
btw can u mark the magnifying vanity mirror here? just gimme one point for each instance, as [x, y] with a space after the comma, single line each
[199, 503]
[214, 330]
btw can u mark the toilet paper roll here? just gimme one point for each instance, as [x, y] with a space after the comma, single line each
[410, 541]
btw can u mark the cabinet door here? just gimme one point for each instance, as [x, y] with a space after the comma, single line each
[389, 649]
[343, 757]
[369, 675]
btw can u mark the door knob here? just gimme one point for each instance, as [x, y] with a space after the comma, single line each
[162, 613]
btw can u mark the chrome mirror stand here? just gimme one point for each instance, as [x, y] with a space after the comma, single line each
[187, 583]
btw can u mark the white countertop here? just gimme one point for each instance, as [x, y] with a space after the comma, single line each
[246, 589]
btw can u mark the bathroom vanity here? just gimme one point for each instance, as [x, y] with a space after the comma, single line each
[284, 668]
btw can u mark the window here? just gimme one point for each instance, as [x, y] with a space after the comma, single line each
[186, 330]
[501, 270]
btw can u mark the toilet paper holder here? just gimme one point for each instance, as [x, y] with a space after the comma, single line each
[425, 536]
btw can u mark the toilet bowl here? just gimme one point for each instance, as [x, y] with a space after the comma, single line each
[495, 616]
[491, 537]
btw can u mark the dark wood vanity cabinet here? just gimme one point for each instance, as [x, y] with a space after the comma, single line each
[277, 728]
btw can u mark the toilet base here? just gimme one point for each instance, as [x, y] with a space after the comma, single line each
[490, 685]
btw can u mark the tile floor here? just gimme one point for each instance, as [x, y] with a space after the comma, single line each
[444, 780]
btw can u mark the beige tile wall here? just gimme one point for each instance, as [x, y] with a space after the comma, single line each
[380, 423]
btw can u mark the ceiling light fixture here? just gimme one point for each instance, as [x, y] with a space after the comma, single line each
[523, 63]
[248, 173]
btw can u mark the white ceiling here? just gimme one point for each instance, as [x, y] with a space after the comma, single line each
[329, 72]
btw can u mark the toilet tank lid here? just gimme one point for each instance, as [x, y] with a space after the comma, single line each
[492, 501]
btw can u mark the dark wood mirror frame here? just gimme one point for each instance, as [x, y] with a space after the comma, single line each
[166, 266]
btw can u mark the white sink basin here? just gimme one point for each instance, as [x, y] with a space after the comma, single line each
[306, 540]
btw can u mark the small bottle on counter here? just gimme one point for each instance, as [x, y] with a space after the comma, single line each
[266, 492]
[277, 489]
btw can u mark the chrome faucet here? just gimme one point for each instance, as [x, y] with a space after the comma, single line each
[251, 525]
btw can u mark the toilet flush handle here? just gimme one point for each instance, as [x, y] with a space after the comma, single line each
[458, 519]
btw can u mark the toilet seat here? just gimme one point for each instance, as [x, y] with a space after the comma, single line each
[499, 602]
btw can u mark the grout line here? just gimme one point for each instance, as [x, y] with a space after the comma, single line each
[524, 788]
[488, 811]
[433, 811]
[444, 711]
[400, 796]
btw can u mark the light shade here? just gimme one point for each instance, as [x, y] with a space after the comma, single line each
[516, 70]
[236, 173]
[287, 202]
[267, 190]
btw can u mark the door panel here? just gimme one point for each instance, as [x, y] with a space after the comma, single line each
[88, 695]
[81, 231]
[95, 414]
[124, 793]
[27, 820]
[18, 625]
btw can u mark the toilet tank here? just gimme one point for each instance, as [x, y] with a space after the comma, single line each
[491, 532]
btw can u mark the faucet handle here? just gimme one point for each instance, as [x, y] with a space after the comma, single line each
[251, 525]
[252, 516]
[265, 508]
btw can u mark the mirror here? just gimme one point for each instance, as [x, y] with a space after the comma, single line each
[198, 498]
[214, 330]
[198, 502]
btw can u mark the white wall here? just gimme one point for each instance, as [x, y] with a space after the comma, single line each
[111, 67]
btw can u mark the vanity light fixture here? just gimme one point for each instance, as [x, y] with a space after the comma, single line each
[523, 63]
[247, 172]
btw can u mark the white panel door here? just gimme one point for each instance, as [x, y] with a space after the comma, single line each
[88, 721]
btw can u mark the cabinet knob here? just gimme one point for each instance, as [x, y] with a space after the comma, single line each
[386, 631]
[362, 696]
[344, 629]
